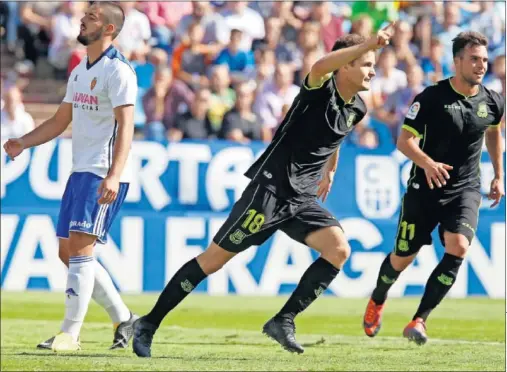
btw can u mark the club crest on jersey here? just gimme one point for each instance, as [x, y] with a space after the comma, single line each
[350, 120]
[93, 83]
[413, 110]
[482, 110]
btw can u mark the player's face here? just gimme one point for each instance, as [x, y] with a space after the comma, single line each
[472, 64]
[362, 71]
[92, 26]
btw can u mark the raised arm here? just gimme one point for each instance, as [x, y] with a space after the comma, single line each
[338, 58]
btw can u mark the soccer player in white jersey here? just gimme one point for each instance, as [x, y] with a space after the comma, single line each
[100, 98]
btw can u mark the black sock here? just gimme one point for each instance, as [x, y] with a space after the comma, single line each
[439, 283]
[181, 284]
[386, 278]
[313, 283]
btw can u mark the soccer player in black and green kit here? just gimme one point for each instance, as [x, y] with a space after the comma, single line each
[296, 168]
[450, 120]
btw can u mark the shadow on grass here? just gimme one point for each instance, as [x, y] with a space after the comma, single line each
[89, 355]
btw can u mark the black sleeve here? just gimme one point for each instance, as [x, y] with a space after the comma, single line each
[417, 115]
[498, 108]
[319, 93]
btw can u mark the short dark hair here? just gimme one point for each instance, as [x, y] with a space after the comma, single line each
[348, 41]
[468, 38]
[113, 14]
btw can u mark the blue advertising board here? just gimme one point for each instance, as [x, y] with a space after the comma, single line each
[181, 194]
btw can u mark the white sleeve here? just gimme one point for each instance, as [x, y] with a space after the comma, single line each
[70, 91]
[122, 86]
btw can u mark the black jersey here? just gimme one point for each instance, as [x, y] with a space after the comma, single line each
[315, 125]
[451, 130]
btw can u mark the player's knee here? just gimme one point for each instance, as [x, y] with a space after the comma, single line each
[63, 252]
[337, 254]
[81, 244]
[456, 244]
[400, 263]
[213, 259]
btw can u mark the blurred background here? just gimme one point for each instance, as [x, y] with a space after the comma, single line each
[215, 80]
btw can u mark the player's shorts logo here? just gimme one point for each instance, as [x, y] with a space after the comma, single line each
[350, 119]
[237, 237]
[413, 110]
[482, 110]
[93, 83]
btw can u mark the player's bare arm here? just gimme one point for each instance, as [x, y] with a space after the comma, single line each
[45, 132]
[328, 175]
[495, 149]
[125, 117]
[339, 58]
[435, 172]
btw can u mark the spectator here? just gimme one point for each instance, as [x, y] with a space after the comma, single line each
[363, 26]
[136, 31]
[393, 112]
[241, 124]
[76, 56]
[65, 30]
[164, 18]
[490, 22]
[240, 62]
[238, 15]
[309, 59]
[496, 81]
[189, 61]
[164, 101]
[222, 97]
[331, 26]
[404, 49]
[368, 139]
[193, 124]
[35, 29]
[388, 79]
[265, 62]
[434, 67]
[275, 95]
[309, 41]
[145, 70]
[448, 30]
[290, 23]
[216, 32]
[15, 121]
[284, 52]
[422, 35]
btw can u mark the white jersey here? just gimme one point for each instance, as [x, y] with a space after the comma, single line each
[94, 91]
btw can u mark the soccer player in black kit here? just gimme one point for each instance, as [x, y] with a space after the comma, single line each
[294, 171]
[451, 120]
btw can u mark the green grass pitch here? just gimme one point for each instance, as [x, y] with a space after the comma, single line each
[223, 333]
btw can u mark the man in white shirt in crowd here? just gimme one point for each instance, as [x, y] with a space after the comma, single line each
[15, 121]
[99, 101]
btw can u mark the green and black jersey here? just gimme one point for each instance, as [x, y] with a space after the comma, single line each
[314, 127]
[451, 129]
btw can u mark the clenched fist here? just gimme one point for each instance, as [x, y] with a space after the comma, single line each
[382, 38]
[13, 147]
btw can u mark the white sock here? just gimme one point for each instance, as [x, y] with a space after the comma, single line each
[106, 295]
[80, 279]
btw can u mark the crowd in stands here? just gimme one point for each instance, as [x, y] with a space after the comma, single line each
[230, 70]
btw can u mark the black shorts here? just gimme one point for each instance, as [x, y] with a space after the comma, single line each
[259, 213]
[420, 215]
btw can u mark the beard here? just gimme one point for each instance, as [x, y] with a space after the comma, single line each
[91, 38]
[472, 81]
